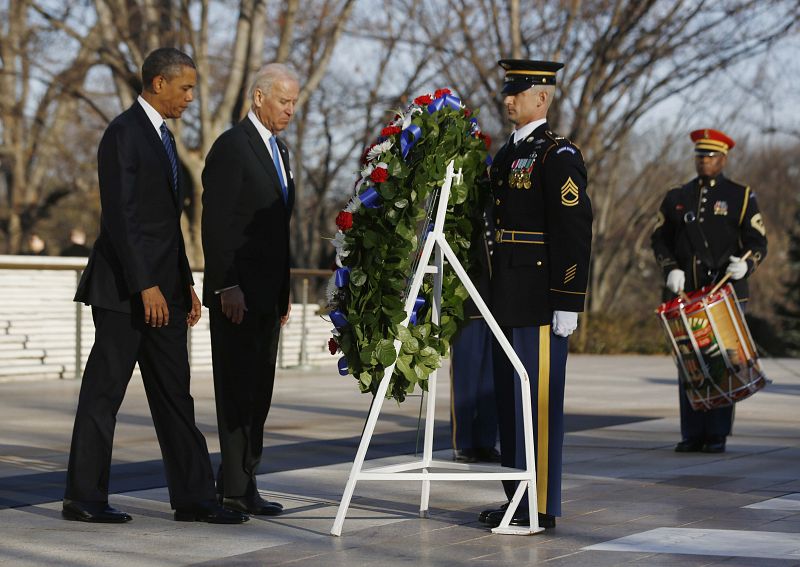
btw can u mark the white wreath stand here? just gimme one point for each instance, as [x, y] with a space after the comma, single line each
[420, 470]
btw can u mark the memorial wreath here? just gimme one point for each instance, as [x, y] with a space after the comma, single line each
[380, 237]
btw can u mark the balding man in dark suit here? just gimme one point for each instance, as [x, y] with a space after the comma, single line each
[139, 285]
[248, 194]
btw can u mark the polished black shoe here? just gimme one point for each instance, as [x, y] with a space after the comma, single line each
[253, 505]
[714, 445]
[210, 512]
[483, 517]
[465, 456]
[487, 455]
[99, 513]
[689, 446]
[545, 520]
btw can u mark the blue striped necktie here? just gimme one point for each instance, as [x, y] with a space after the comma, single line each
[173, 158]
[276, 160]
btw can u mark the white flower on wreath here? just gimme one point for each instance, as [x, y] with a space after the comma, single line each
[409, 116]
[378, 149]
[339, 244]
[331, 289]
[354, 203]
[367, 171]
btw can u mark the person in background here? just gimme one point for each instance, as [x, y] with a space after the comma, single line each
[473, 410]
[77, 244]
[36, 246]
[703, 229]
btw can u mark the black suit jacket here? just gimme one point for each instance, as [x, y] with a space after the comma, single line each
[140, 243]
[246, 220]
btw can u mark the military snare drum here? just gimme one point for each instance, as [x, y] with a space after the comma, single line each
[713, 347]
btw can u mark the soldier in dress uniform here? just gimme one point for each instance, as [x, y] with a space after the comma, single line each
[540, 269]
[702, 231]
[473, 411]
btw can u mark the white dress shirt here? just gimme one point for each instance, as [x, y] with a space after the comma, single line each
[155, 117]
[265, 134]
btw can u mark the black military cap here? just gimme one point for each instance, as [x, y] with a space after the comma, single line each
[522, 74]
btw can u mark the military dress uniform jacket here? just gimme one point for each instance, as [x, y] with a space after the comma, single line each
[704, 222]
[543, 222]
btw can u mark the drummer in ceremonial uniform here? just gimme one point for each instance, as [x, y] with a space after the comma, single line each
[540, 270]
[702, 231]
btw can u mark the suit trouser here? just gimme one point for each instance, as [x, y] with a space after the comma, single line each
[473, 411]
[544, 356]
[243, 358]
[122, 340]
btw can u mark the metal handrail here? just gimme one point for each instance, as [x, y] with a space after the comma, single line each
[78, 264]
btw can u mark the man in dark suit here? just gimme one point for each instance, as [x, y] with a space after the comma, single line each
[703, 229]
[540, 270]
[248, 193]
[139, 285]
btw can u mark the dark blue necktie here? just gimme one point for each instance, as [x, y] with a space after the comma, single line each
[173, 158]
[276, 160]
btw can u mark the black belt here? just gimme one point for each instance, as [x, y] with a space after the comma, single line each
[520, 237]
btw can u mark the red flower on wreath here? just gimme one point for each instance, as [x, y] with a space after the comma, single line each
[423, 100]
[390, 131]
[441, 92]
[379, 174]
[487, 140]
[333, 346]
[467, 113]
[344, 221]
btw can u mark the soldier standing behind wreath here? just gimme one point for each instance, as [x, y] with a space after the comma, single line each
[703, 229]
[540, 269]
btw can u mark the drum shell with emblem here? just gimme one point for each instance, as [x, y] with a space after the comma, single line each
[713, 348]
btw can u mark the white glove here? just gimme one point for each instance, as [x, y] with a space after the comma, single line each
[676, 279]
[564, 323]
[737, 268]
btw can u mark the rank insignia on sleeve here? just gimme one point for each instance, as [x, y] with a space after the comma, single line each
[569, 273]
[721, 208]
[569, 193]
[758, 223]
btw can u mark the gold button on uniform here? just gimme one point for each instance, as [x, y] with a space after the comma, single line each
[497, 202]
[538, 262]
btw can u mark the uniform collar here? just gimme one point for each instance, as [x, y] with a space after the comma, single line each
[704, 181]
[524, 131]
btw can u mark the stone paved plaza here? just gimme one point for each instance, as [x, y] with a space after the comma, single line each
[629, 499]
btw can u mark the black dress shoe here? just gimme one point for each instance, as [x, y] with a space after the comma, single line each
[99, 513]
[465, 456]
[253, 505]
[487, 455]
[545, 520]
[689, 446]
[714, 445]
[483, 517]
[210, 512]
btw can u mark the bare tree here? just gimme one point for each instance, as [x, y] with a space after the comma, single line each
[622, 59]
[38, 90]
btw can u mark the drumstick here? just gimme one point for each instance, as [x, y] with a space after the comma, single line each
[727, 275]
